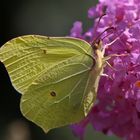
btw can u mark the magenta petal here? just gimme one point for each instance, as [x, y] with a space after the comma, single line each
[76, 31]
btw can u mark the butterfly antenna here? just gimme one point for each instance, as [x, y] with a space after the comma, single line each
[112, 42]
[97, 38]
[99, 22]
[107, 34]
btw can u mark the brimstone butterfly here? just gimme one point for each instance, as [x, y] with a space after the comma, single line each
[57, 76]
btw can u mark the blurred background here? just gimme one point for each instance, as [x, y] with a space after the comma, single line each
[44, 17]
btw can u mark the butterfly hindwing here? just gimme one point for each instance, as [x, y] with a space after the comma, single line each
[56, 98]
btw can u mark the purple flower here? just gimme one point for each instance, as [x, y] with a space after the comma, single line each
[117, 110]
[76, 31]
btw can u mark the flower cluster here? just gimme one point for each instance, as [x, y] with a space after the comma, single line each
[117, 110]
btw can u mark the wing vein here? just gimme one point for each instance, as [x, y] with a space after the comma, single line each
[75, 74]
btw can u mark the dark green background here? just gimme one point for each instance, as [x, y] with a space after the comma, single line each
[45, 17]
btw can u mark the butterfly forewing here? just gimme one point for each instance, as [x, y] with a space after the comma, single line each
[27, 57]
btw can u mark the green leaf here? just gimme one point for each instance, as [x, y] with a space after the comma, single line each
[57, 76]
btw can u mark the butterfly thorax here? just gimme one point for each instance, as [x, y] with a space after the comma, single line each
[100, 62]
[98, 57]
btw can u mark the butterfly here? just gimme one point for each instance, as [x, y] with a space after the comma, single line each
[58, 77]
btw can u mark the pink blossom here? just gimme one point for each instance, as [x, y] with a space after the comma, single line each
[117, 109]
